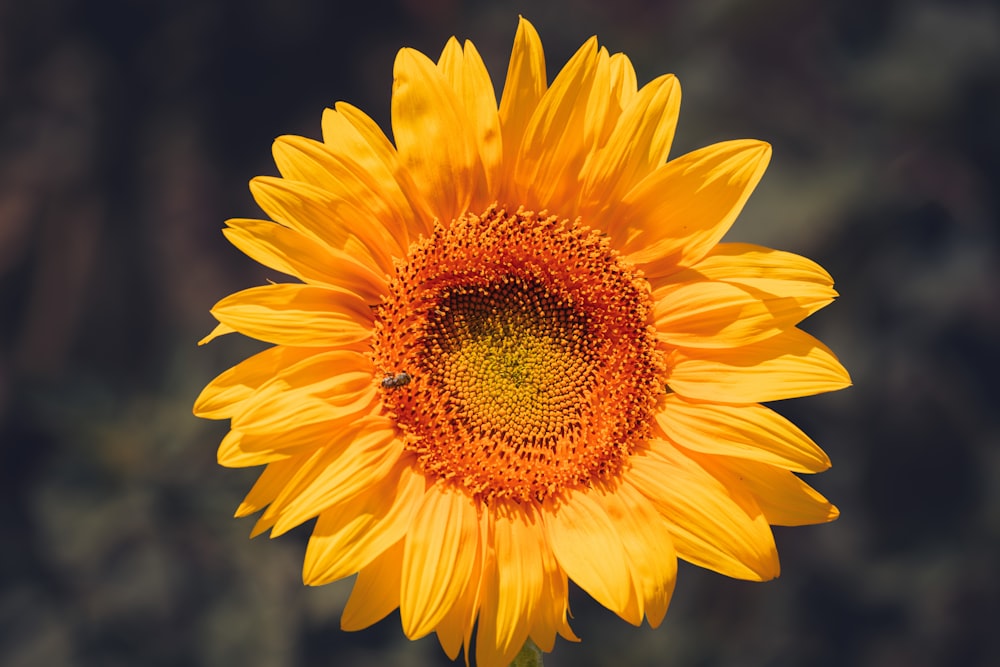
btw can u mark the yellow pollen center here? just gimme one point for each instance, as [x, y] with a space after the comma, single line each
[530, 366]
[511, 358]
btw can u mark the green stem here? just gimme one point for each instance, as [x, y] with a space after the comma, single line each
[530, 656]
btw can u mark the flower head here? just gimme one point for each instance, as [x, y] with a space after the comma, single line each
[518, 354]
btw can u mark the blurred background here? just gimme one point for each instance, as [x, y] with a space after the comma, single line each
[128, 132]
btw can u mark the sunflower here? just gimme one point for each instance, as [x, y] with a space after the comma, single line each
[517, 354]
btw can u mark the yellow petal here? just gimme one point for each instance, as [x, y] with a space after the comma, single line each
[297, 315]
[432, 138]
[339, 222]
[713, 314]
[376, 591]
[347, 468]
[292, 253]
[649, 547]
[788, 365]
[451, 631]
[221, 397]
[779, 273]
[451, 63]
[487, 654]
[270, 483]
[638, 144]
[276, 409]
[602, 110]
[781, 495]
[707, 520]
[588, 547]
[553, 606]
[455, 629]
[349, 536]
[523, 88]
[279, 486]
[437, 559]
[231, 453]
[624, 84]
[751, 432]
[674, 216]
[352, 131]
[296, 437]
[519, 542]
[469, 77]
[219, 330]
[553, 150]
[374, 193]
[259, 448]
[320, 388]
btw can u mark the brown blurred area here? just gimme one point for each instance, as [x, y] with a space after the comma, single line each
[128, 132]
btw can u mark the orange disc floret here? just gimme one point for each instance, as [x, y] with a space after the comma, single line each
[531, 365]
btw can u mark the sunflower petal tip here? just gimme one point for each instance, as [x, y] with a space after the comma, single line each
[769, 568]
[524, 24]
[220, 330]
[258, 184]
[310, 574]
[845, 377]
[406, 57]
[760, 152]
[655, 619]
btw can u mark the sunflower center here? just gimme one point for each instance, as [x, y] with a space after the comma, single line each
[517, 355]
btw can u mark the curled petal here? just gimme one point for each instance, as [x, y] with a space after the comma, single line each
[219, 330]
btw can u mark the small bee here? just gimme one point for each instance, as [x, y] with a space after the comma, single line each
[391, 381]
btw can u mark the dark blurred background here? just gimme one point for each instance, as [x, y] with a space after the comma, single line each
[128, 132]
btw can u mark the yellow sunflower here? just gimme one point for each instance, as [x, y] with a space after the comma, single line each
[519, 355]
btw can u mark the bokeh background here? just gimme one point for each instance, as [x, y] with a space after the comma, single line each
[128, 132]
